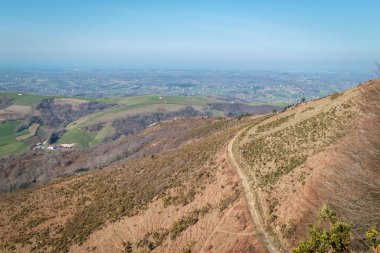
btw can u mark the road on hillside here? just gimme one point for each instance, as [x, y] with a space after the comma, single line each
[250, 200]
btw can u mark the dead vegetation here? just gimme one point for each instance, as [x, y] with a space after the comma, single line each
[66, 212]
[36, 167]
[357, 165]
[278, 153]
[298, 160]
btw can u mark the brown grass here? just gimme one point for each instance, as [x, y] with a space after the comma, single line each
[329, 154]
[15, 112]
[65, 213]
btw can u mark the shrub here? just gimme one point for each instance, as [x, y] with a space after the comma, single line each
[372, 239]
[81, 169]
[127, 247]
[225, 202]
[335, 95]
[336, 238]
[182, 224]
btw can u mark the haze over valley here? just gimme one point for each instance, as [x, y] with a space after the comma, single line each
[178, 126]
[244, 86]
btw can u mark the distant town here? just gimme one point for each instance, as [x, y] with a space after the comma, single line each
[243, 86]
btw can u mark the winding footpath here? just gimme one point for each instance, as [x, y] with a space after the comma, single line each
[250, 200]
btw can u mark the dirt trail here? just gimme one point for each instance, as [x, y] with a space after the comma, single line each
[250, 200]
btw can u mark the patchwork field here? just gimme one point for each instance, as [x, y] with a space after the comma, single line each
[91, 121]
[160, 99]
[123, 111]
[31, 131]
[31, 100]
[105, 132]
[8, 138]
[75, 135]
[15, 112]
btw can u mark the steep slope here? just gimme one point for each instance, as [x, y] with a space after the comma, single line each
[175, 187]
[323, 151]
[182, 199]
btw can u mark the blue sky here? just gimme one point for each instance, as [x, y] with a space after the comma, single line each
[323, 34]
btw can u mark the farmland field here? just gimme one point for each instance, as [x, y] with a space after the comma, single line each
[79, 136]
[156, 99]
[24, 99]
[102, 134]
[8, 142]
[6, 129]
[32, 130]
[14, 147]
[122, 111]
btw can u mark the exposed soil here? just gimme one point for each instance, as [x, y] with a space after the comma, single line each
[15, 112]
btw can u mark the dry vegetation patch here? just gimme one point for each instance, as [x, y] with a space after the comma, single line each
[298, 160]
[64, 213]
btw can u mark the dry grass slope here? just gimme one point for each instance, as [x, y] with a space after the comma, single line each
[67, 212]
[323, 151]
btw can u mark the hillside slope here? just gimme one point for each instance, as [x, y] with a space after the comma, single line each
[185, 199]
[174, 187]
[323, 151]
[88, 122]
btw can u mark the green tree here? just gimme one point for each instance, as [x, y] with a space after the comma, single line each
[331, 237]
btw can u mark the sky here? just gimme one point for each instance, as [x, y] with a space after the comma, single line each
[196, 34]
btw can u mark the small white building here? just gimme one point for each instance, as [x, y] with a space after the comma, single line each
[67, 145]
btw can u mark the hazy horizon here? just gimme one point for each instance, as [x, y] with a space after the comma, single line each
[244, 35]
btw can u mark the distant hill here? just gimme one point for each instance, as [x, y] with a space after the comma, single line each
[90, 122]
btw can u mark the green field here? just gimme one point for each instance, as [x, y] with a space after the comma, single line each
[105, 132]
[122, 111]
[129, 106]
[78, 136]
[6, 130]
[8, 142]
[32, 130]
[11, 142]
[158, 99]
[24, 99]
[12, 148]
